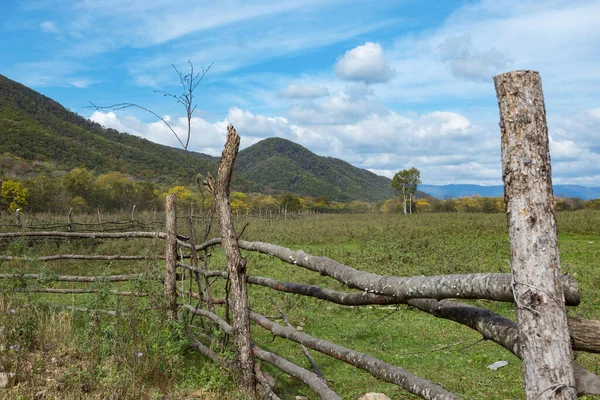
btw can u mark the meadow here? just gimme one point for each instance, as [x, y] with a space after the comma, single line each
[139, 354]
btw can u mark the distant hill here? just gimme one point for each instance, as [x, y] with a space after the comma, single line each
[36, 129]
[281, 165]
[453, 191]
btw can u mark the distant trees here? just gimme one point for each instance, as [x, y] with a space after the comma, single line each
[291, 203]
[14, 194]
[406, 182]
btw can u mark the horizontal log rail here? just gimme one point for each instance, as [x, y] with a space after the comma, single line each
[585, 333]
[343, 298]
[489, 286]
[82, 257]
[85, 235]
[80, 291]
[71, 278]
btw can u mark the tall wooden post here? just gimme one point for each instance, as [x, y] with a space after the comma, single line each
[171, 256]
[236, 265]
[539, 300]
[70, 220]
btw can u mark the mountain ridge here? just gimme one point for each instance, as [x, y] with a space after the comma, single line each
[461, 190]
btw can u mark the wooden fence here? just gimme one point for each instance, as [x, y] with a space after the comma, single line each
[531, 226]
[430, 294]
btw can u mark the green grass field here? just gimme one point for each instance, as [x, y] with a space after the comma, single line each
[73, 355]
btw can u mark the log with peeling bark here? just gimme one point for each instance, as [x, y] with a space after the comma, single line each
[348, 299]
[379, 369]
[312, 380]
[69, 278]
[498, 329]
[535, 264]
[113, 313]
[490, 286]
[81, 257]
[266, 382]
[212, 316]
[84, 235]
[236, 265]
[585, 333]
[80, 291]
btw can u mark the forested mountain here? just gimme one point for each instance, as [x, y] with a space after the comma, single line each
[35, 128]
[281, 165]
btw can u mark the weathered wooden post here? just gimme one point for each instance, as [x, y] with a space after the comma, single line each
[18, 217]
[539, 300]
[69, 220]
[236, 265]
[132, 214]
[171, 256]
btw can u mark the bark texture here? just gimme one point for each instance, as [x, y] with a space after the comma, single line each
[236, 265]
[171, 257]
[539, 300]
[313, 381]
[585, 334]
[488, 286]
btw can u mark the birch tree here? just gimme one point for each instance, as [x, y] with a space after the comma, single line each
[406, 182]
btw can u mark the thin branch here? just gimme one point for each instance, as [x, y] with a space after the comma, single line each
[122, 106]
[312, 362]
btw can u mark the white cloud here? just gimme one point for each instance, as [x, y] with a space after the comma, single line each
[305, 91]
[433, 142]
[206, 137]
[82, 83]
[49, 26]
[258, 126]
[467, 63]
[366, 63]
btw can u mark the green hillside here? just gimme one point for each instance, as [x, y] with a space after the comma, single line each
[38, 130]
[279, 164]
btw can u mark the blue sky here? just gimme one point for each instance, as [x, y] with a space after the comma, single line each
[384, 85]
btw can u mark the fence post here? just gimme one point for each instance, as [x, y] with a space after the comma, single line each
[539, 299]
[69, 220]
[132, 214]
[236, 265]
[171, 256]
[18, 217]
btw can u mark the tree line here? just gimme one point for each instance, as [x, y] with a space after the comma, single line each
[115, 191]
